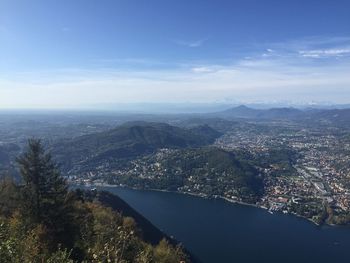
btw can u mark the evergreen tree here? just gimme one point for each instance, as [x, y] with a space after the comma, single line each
[44, 192]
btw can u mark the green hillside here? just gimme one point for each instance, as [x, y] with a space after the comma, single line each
[128, 141]
[209, 170]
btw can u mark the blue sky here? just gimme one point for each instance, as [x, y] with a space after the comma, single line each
[75, 53]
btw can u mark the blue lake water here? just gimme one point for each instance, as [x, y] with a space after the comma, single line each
[217, 231]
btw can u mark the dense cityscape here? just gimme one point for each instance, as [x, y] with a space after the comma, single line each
[320, 175]
[304, 168]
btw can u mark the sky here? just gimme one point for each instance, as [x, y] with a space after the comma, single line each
[81, 53]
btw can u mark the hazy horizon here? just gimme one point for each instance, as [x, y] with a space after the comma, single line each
[84, 54]
[165, 108]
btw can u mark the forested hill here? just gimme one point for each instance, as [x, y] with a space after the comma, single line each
[129, 141]
[208, 171]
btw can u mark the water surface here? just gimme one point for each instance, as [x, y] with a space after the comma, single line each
[217, 231]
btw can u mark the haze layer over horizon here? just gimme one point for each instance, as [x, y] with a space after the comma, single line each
[77, 54]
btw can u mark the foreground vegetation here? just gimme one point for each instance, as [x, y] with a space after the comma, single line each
[42, 221]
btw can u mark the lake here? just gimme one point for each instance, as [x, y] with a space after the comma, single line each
[218, 231]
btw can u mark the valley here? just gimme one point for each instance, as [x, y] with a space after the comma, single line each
[279, 163]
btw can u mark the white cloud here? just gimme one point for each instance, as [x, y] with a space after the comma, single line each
[202, 69]
[310, 47]
[339, 52]
[191, 44]
[284, 74]
[251, 79]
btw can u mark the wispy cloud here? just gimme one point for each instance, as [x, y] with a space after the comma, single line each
[325, 53]
[191, 43]
[311, 47]
[307, 43]
[285, 73]
[204, 69]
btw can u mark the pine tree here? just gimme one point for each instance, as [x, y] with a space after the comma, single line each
[44, 192]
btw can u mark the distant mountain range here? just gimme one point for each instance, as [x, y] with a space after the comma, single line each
[330, 115]
[335, 116]
[183, 108]
[273, 113]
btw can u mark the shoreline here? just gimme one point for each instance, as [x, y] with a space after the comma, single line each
[206, 197]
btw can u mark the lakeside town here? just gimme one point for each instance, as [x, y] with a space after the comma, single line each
[317, 187]
[309, 179]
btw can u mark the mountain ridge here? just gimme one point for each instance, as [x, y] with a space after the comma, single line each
[129, 140]
[285, 113]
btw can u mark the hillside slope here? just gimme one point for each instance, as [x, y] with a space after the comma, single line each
[208, 170]
[128, 141]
